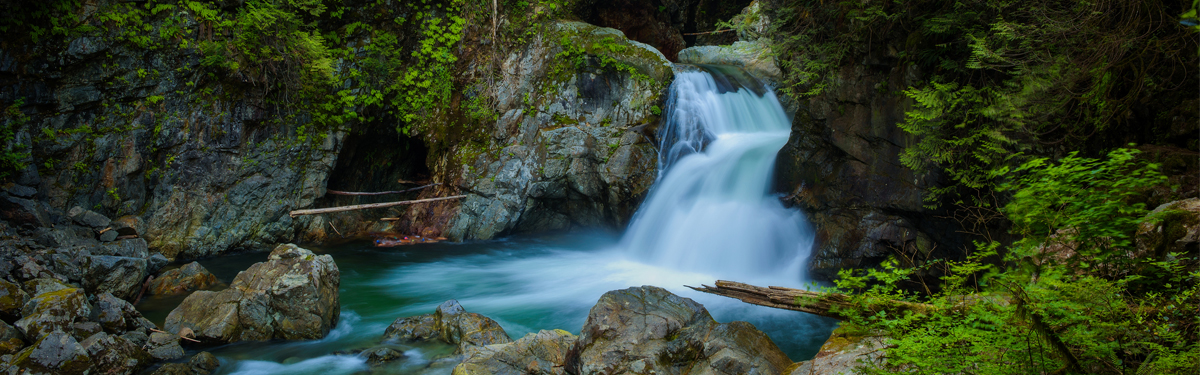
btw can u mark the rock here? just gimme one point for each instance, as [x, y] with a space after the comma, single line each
[451, 324]
[137, 338]
[380, 355]
[68, 236]
[121, 276]
[129, 225]
[12, 299]
[10, 339]
[541, 353]
[20, 191]
[191, 276]
[83, 330]
[1177, 231]
[203, 363]
[647, 329]
[116, 315]
[53, 311]
[292, 296]
[164, 346]
[156, 262]
[755, 57]
[112, 354]
[56, 353]
[91, 219]
[24, 212]
[108, 236]
[45, 285]
[133, 248]
[843, 353]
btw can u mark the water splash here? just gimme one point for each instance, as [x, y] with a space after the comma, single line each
[711, 209]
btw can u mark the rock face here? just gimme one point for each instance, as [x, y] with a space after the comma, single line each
[843, 353]
[451, 324]
[293, 295]
[191, 276]
[649, 330]
[569, 152]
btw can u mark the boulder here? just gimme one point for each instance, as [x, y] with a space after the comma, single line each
[1176, 232]
[381, 355]
[112, 354]
[134, 248]
[12, 299]
[203, 363]
[649, 330]
[90, 219]
[541, 353]
[191, 276]
[83, 330]
[128, 225]
[292, 296]
[451, 324]
[121, 276]
[53, 311]
[843, 353]
[116, 315]
[156, 262]
[164, 346]
[24, 212]
[55, 353]
[45, 285]
[10, 339]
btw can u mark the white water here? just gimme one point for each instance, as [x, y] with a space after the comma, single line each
[709, 216]
[711, 209]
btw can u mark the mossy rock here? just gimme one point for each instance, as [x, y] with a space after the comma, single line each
[612, 43]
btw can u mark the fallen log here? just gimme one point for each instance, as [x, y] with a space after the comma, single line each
[833, 305]
[314, 211]
[339, 192]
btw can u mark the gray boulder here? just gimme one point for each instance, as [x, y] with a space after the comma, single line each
[134, 248]
[90, 219]
[113, 354]
[56, 353]
[121, 276]
[755, 57]
[292, 296]
[203, 363]
[844, 353]
[116, 315]
[541, 353]
[164, 346]
[54, 311]
[649, 330]
[451, 324]
[191, 276]
[10, 339]
[12, 299]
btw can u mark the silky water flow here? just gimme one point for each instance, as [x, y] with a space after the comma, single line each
[709, 216]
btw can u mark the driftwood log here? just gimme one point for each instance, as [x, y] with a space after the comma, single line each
[833, 305]
[368, 206]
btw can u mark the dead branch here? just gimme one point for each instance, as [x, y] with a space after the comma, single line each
[368, 206]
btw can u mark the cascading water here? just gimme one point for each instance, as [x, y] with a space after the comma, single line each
[711, 209]
[710, 216]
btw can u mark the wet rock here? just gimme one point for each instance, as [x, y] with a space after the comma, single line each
[56, 353]
[843, 353]
[53, 311]
[112, 354]
[12, 300]
[191, 276]
[647, 329]
[10, 339]
[203, 363]
[116, 315]
[451, 324]
[121, 276]
[293, 295]
[541, 353]
[164, 346]
[379, 356]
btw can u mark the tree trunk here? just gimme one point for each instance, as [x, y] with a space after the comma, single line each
[367, 206]
[833, 305]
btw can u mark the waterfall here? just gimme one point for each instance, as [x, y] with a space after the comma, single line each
[711, 209]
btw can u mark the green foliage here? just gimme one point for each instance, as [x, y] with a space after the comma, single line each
[12, 154]
[1073, 296]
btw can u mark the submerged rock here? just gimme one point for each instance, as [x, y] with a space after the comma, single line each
[292, 296]
[450, 324]
[379, 356]
[191, 276]
[541, 353]
[649, 330]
